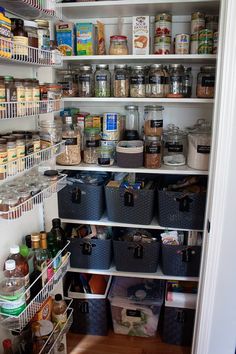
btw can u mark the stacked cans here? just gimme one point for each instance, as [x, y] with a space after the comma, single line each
[163, 30]
[204, 35]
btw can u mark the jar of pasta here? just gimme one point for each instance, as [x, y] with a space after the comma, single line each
[92, 143]
[153, 120]
[206, 82]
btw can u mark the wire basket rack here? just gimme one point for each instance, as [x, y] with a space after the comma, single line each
[28, 55]
[15, 211]
[19, 166]
[17, 323]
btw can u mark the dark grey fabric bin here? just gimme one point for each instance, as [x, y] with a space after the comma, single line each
[136, 257]
[181, 260]
[81, 201]
[178, 324]
[176, 209]
[90, 316]
[129, 160]
[125, 207]
[90, 254]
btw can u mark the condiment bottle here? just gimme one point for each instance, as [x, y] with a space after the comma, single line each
[7, 346]
[20, 40]
[59, 314]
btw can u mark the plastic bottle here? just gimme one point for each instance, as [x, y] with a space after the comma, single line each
[59, 314]
[12, 290]
[21, 265]
[7, 346]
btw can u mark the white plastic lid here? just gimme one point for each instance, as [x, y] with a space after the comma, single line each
[10, 264]
[15, 249]
[30, 24]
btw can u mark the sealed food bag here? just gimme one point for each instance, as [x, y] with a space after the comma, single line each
[100, 44]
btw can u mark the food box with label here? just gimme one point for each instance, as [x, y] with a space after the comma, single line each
[85, 38]
[65, 38]
[141, 34]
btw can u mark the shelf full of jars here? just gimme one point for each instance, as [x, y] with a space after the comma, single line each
[27, 42]
[31, 273]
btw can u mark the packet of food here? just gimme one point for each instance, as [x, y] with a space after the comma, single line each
[101, 45]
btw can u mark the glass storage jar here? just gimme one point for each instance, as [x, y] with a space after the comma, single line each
[29, 145]
[121, 81]
[131, 123]
[187, 82]
[152, 152]
[11, 96]
[54, 97]
[175, 147]
[199, 146]
[105, 156]
[155, 86]
[176, 81]
[118, 45]
[20, 93]
[85, 81]
[11, 155]
[167, 81]
[102, 78]
[68, 83]
[137, 81]
[28, 85]
[71, 136]
[153, 120]
[206, 82]
[50, 133]
[20, 152]
[92, 143]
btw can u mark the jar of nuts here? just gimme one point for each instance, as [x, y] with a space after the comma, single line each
[92, 143]
[206, 82]
[121, 81]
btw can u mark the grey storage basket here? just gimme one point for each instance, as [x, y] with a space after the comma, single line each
[178, 326]
[90, 254]
[181, 260]
[81, 201]
[136, 257]
[126, 207]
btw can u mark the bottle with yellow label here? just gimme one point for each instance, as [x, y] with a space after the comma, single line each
[5, 34]
[20, 41]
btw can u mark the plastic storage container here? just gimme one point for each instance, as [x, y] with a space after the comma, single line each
[135, 305]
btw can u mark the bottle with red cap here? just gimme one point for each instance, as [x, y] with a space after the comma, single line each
[7, 346]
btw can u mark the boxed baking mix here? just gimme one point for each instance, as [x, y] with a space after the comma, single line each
[85, 38]
[65, 38]
[141, 41]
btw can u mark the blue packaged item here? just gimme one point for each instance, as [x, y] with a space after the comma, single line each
[65, 38]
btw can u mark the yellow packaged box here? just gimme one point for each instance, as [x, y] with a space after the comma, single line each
[85, 38]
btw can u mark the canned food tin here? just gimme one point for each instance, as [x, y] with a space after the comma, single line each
[205, 45]
[215, 43]
[162, 45]
[205, 34]
[197, 22]
[163, 24]
[194, 43]
[182, 43]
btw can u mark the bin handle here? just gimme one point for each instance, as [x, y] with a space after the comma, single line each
[138, 250]
[84, 307]
[76, 195]
[186, 255]
[87, 248]
[128, 199]
[180, 316]
[184, 203]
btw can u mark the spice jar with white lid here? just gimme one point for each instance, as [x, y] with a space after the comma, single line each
[175, 148]
[199, 146]
[153, 120]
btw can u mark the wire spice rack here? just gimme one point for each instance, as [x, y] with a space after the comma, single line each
[17, 323]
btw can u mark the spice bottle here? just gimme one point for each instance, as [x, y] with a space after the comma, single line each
[152, 152]
[71, 136]
[20, 41]
[121, 81]
[102, 79]
[20, 93]
[153, 120]
[28, 95]
[11, 155]
[59, 315]
[2, 98]
[20, 151]
[3, 158]
[11, 96]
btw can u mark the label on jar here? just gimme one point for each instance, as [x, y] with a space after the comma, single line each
[93, 143]
[3, 161]
[208, 81]
[176, 84]
[157, 80]
[101, 78]
[2, 95]
[70, 141]
[86, 78]
[20, 45]
[11, 154]
[153, 149]
[29, 149]
[157, 123]
[137, 80]
[203, 149]
[37, 146]
[120, 77]
[175, 148]
[133, 313]
[104, 161]
[20, 150]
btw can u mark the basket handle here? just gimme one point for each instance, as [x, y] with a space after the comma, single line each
[87, 248]
[76, 195]
[186, 255]
[84, 307]
[184, 203]
[128, 199]
[180, 316]
[138, 250]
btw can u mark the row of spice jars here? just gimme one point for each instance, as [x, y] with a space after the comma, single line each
[25, 190]
[139, 81]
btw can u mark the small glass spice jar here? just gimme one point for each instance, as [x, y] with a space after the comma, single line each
[85, 81]
[92, 142]
[29, 145]
[12, 206]
[153, 120]
[11, 155]
[176, 81]
[20, 151]
[2, 98]
[25, 199]
[152, 152]
[3, 158]
[118, 45]
[155, 86]
[206, 82]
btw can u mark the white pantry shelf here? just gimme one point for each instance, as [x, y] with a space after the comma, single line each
[138, 101]
[180, 170]
[112, 271]
[127, 8]
[131, 59]
[105, 221]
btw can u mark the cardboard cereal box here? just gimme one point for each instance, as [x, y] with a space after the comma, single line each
[65, 38]
[85, 38]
